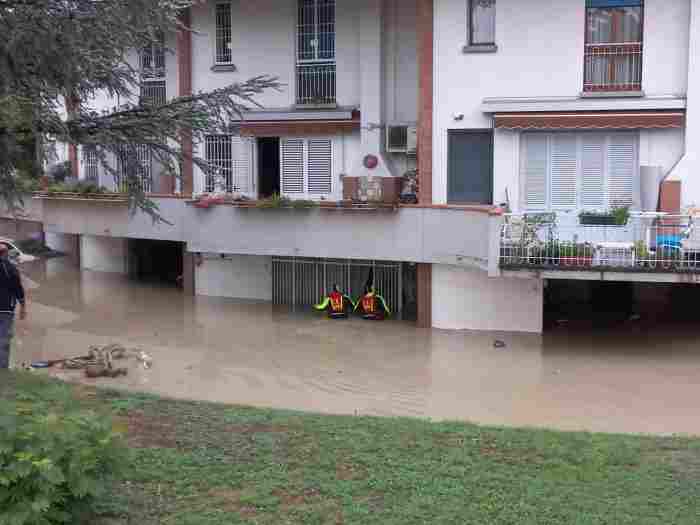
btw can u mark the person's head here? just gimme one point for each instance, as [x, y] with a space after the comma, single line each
[4, 250]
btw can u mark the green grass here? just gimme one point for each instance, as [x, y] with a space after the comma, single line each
[207, 464]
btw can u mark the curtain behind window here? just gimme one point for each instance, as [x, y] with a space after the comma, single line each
[482, 22]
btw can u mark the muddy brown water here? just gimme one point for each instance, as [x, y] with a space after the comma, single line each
[637, 377]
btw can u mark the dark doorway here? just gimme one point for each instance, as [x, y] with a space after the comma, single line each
[470, 167]
[269, 166]
[156, 261]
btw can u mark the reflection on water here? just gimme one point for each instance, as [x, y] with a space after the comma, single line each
[633, 378]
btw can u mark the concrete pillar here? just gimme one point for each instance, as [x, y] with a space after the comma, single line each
[184, 89]
[188, 272]
[104, 254]
[424, 292]
[425, 101]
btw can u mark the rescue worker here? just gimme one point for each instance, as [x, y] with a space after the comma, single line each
[372, 305]
[337, 304]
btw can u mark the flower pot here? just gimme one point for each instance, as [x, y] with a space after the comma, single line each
[578, 261]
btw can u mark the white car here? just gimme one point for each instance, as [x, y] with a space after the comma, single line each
[17, 256]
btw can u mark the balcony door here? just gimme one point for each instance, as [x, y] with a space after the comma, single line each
[315, 78]
[470, 167]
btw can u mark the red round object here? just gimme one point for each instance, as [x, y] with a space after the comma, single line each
[370, 162]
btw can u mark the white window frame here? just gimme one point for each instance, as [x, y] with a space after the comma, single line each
[607, 135]
[245, 142]
[218, 62]
[305, 194]
[479, 47]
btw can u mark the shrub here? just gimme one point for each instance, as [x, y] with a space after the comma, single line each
[54, 467]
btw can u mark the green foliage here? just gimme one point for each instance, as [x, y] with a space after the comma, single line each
[54, 465]
[616, 216]
[78, 186]
[274, 201]
[278, 201]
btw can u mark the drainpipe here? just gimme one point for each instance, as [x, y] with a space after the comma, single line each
[184, 89]
[424, 271]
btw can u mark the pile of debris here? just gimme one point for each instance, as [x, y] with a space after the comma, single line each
[100, 361]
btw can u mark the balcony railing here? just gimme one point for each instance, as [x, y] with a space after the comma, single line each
[613, 67]
[316, 84]
[647, 243]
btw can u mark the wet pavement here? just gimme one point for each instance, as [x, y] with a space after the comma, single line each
[637, 377]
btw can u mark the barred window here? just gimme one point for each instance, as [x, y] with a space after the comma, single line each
[90, 163]
[223, 34]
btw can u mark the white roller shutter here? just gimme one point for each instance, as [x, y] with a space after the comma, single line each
[242, 154]
[563, 169]
[593, 172]
[292, 159]
[535, 170]
[319, 166]
[622, 159]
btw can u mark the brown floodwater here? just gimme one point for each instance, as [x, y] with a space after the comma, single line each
[636, 377]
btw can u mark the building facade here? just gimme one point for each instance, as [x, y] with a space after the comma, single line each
[519, 118]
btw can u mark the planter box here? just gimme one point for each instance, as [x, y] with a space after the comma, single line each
[576, 262]
[597, 220]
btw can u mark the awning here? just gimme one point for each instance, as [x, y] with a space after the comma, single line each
[298, 124]
[297, 127]
[591, 120]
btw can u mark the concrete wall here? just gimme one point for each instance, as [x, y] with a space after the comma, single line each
[66, 243]
[465, 299]
[103, 254]
[540, 54]
[235, 276]
[413, 235]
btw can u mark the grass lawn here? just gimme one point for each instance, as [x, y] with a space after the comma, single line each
[206, 464]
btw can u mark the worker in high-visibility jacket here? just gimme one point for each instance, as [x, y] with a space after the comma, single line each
[372, 306]
[337, 304]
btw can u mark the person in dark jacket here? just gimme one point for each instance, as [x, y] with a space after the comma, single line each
[11, 293]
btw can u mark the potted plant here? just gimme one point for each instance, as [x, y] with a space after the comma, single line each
[617, 216]
[575, 254]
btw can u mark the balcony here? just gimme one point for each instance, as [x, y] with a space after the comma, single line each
[649, 242]
[316, 84]
[613, 67]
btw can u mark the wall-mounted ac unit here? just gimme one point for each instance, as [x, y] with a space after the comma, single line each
[401, 139]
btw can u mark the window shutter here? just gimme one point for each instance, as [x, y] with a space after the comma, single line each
[535, 151]
[319, 170]
[292, 166]
[621, 170]
[593, 172]
[242, 163]
[563, 169]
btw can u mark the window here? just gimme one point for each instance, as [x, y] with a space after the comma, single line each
[135, 167]
[613, 55]
[568, 171]
[482, 23]
[90, 163]
[306, 166]
[152, 60]
[223, 55]
[153, 93]
[316, 52]
[230, 160]
[470, 167]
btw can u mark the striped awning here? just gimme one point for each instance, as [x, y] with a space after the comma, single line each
[591, 120]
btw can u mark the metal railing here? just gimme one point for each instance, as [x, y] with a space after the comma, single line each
[316, 84]
[670, 243]
[300, 281]
[613, 67]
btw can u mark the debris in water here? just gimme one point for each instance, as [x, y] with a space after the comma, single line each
[99, 361]
[634, 317]
[499, 344]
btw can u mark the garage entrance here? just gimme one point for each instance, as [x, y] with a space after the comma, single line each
[156, 261]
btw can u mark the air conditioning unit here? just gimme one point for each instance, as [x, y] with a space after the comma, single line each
[401, 139]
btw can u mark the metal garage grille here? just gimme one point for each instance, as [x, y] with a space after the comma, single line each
[298, 281]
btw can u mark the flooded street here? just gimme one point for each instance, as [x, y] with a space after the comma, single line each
[635, 378]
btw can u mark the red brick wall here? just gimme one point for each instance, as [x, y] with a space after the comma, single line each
[670, 196]
[184, 88]
[425, 101]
